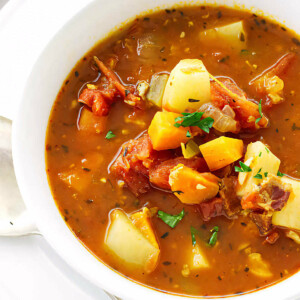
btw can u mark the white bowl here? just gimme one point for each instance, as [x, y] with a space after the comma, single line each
[93, 23]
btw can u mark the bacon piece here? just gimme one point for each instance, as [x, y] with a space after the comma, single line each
[211, 209]
[246, 111]
[263, 222]
[271, 196]
[272, 238]
[133, 163]
[159, 173]
[126, 92]
[279, 68]
[231, 202]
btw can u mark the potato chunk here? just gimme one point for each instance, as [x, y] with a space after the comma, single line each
[289, 216]
[221, 152]
[193, 187]
[89, 123]
[163, 134]
[257, 157]
[258, 267]
[188, 80]
[132, 244]
[230, 36]
[198, 259]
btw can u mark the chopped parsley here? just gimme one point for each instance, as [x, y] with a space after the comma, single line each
[268, 151]
[260, 153]
[266, 174]
[110, 135]
[194, 119]
[194, 231]
[193, 100]
[280, 174]
[243, 168]
[171, 220]
[258, 175]
[214, 236]
[260, 112]
[188, 134]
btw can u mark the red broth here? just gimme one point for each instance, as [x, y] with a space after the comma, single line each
[84, 157]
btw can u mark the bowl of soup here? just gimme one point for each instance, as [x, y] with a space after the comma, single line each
[157, 148]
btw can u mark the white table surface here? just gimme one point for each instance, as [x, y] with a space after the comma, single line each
[29, 268]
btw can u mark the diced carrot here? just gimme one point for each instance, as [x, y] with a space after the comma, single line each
[141, 220]
[90, 123]
[221, 152]
[192, 187]
[163, 134]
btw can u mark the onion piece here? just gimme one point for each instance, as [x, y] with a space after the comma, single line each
[222, 121]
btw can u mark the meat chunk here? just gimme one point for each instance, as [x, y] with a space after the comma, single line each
[101, 99]
[159, 173]
[211, 209]
[263, 222]
[231, 203]
[272, 195]
[133, 163]
[247, 112]
[272, 237]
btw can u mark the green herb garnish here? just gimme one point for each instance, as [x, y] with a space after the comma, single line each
[268, 151]
[243, 168]
[280, 174]
[266, 174]
[194, 119]
[110, 135]
[213, 239]
[260, 153]
[194, 231]
[260, 113]
[171, 220]
[258, 175]
[188, 134]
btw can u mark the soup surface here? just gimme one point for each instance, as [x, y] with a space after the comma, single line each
[218, 220]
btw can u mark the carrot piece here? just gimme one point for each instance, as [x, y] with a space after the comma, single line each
[90, 123]
[221, 152]
[163, 134]
[192, 187]
[141, 220]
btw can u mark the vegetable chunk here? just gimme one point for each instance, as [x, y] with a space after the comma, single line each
[157, 88]
[188, 87]
[163, 134]
[221, 152]
[258, 266]
[192, 187]
[289, 215]
[232, 35]
[90, 123]
[258, 158]
[132, 244]
[198, 259]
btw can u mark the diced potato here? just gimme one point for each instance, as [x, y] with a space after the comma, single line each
[90, 123]
[193, 187]
[188, 80]
[79, 176]
[190, 149]
[258, 266]
[163, 134]
[230, 36]
[257, 157]
[198, 259]
[289, 216]
[77, 179]
[221, 152]
[129, 243]
[157, 88]
[294, 236]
